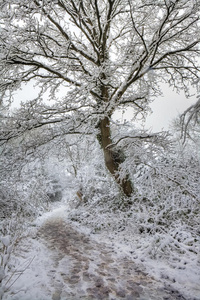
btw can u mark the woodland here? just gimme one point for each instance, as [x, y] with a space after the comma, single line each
[83, 61]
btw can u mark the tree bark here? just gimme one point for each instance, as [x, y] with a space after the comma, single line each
[112, 157]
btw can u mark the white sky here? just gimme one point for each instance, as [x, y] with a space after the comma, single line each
[165, 108]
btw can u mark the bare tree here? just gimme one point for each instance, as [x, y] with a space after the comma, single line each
[102, 54]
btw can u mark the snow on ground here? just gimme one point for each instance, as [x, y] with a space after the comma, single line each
[33, 260]
[181, 272]
[184, 279]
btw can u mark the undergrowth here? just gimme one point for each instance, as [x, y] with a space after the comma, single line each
[158, 230]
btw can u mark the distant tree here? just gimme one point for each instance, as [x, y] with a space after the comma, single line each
[189, 122]
[102, 55]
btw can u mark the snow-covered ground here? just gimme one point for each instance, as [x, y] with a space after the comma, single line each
[33, 260]
[181, 273]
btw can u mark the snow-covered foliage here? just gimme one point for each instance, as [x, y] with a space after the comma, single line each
[5, 251]
[26, 189]
[189, 120]
[90, 58]
[9, 233]
[23, 188]
[161, 220]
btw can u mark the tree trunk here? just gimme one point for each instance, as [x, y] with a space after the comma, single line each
[112, 157]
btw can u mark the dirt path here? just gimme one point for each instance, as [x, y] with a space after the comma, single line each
[85, 269]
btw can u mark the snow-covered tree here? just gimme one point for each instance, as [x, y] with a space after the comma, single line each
[189, 122]
[92, 58]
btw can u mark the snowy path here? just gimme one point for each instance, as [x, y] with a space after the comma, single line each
[94, 272]
[70, 265]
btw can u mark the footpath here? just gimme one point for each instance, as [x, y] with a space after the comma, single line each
[86, 269]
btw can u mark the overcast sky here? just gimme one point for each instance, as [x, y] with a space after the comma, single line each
[165, 108]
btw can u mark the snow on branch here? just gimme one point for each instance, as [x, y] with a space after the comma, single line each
[160, 138]
[190, 115]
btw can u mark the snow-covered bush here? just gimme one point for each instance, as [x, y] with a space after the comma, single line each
[24, 194]
[161, 220]
[26, 183]
[10, 232]
[26, 189]
[5, 252]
